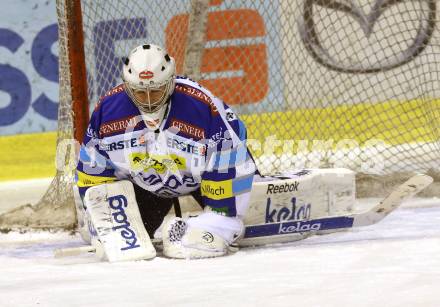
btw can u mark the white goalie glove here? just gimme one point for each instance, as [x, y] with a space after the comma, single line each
[204, 236]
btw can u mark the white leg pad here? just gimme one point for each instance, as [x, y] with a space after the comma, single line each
[81, 217]
[118, 231]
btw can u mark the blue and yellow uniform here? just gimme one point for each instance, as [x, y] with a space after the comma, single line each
[200, 144]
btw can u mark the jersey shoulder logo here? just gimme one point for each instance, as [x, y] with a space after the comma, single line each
[117, 89]
[230, 115]
[198, 95]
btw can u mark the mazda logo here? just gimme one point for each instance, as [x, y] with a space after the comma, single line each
[380, 60]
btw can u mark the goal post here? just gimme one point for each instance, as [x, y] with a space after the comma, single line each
[352, 84]
[77, 65]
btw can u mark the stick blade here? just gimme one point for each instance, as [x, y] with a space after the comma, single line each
[400, 194]
[73, 251]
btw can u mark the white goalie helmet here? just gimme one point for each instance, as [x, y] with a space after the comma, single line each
[148, 74]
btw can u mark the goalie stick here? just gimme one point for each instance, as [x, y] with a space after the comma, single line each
[327, 224]
[335, 223]
[73, 251]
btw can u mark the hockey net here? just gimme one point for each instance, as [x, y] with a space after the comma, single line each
[318, 83]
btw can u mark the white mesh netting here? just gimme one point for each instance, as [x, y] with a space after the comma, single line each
[319, 83]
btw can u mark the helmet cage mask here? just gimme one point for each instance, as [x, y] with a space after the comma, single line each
[155, 96]
[148, 75]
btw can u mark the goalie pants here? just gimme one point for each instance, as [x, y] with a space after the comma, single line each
[153, 208]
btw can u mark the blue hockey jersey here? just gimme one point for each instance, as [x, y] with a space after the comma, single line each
[200, 145]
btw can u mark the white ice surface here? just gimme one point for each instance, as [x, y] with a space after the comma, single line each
[393, 263]
[13, 194]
